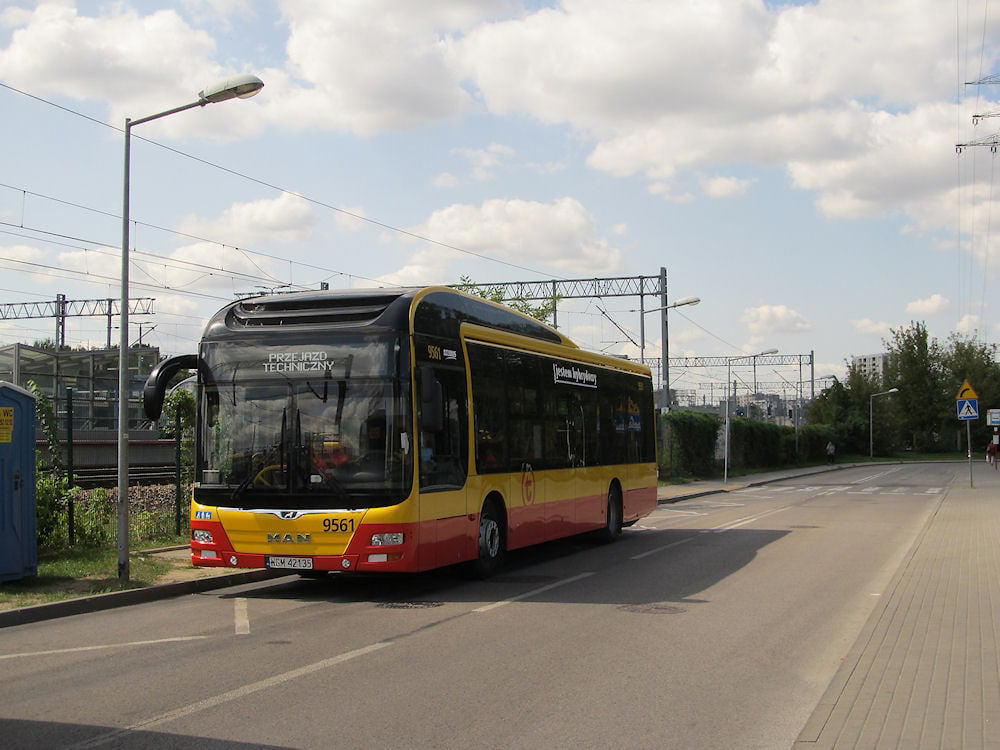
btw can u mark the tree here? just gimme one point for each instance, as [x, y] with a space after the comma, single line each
[540, 312]
[965, 358]
[845, 407]
[922, 404]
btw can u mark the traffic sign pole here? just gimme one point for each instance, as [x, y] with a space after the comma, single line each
[967, 408]
[968, 441]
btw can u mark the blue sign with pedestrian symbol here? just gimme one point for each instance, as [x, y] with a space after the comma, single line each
[968, 408]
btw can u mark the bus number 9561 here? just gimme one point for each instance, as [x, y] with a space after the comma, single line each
[338, 525]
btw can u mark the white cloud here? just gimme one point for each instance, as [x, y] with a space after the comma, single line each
[929, 306]
[856, 115]
[408, 76]
[665, 191]
[286, 218]
[620, 229]
[686, 336]
[139, 64]
[560, 235]
[867, 325]
[444, 180]
[765, 319]
[483, 161]
[348, 223]
[725, 187]
[968, 324]
[28, 255]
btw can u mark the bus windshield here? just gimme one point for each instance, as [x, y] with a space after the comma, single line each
[304, 426]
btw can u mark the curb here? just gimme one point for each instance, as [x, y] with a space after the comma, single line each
[98, 602]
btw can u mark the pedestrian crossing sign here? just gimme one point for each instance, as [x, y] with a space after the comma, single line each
[968, 408]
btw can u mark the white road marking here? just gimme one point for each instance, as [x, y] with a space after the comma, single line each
[933, 490]
[742, 521]
[242, 620]
[106, 646]
[660, 549]
[865, 479]
[725, 505]
[533, 592]
[231, 695]
[683, 512]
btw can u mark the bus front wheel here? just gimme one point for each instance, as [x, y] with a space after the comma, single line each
[490, 546]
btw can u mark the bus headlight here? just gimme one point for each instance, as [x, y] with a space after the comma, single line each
[384, 540]
[202, 536]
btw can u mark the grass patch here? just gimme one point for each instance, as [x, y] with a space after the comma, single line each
[72, 573]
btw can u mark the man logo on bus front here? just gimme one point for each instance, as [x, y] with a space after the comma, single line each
[289, 515]
[527, 484]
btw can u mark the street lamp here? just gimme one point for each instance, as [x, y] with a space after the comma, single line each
[234, 87]
[729, 363]
[666, 342]
[871, 419]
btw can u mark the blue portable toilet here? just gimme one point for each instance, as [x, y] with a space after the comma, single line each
[18, 539]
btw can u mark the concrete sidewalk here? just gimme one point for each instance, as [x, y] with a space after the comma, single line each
[925, 671]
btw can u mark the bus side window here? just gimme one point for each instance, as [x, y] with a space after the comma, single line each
[490, 408]
[444, 453]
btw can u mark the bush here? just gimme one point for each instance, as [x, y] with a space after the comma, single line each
[689, 449]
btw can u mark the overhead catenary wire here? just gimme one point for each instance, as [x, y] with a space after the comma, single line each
[314, 201]
[286, 191]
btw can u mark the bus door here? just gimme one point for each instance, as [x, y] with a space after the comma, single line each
[442, 460]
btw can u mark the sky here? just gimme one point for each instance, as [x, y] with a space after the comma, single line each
[791, 164]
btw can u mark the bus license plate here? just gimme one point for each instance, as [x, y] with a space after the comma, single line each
[290, 563]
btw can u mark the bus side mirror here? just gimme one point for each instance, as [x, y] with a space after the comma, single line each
[431, 403]
[156, 384]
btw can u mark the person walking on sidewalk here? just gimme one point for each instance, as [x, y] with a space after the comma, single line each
[831, 451]
[991, 454]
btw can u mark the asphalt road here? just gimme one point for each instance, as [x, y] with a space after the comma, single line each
[715, 622]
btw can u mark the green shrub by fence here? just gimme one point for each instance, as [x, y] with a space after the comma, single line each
[689, 450]
[692, 439]
[151, 515]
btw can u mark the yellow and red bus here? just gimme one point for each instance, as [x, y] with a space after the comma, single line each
[404, 430]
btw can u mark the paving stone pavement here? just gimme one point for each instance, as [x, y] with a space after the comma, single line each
[924, 672]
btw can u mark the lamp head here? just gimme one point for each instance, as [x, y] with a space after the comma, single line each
[234, 87]
[768, 351]
[686, 301]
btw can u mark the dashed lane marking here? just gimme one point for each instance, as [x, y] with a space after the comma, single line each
[533, 592]
[660, 549]
[77, 649]
[240, 617]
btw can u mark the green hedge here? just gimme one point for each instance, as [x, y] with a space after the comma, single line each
[692, 437]
[689, 450]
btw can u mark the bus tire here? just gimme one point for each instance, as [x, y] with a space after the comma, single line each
[491, 542]
[612, 517]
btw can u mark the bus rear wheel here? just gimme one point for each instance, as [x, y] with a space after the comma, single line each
[612, 517]
[490, 544]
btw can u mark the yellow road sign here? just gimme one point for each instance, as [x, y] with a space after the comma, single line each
[966, 392]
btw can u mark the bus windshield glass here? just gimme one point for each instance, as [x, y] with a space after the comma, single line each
[304, 425]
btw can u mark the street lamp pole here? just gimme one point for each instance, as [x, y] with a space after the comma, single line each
[236, 87]
[871, 419]
[729, 362]
[665, 398]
